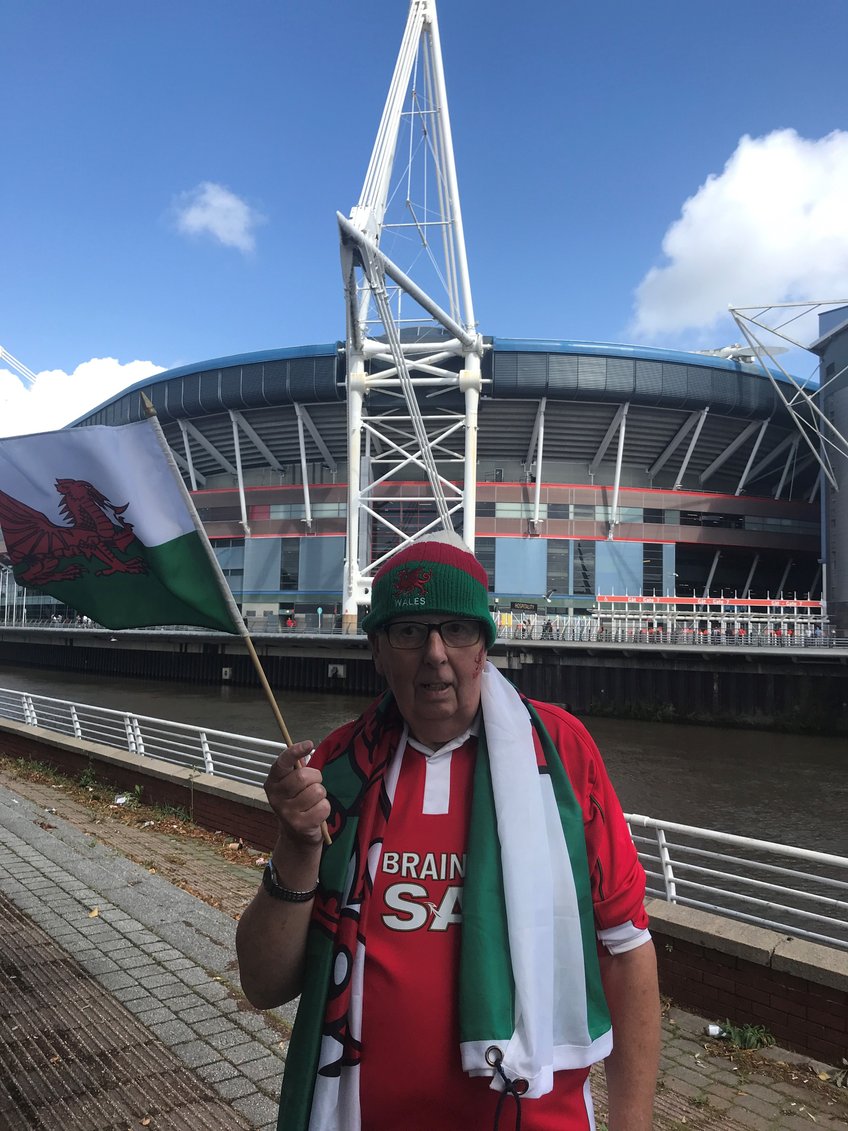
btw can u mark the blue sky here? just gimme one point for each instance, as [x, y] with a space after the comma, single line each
[581, 132]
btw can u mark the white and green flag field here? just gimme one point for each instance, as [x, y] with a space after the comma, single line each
[98, 518]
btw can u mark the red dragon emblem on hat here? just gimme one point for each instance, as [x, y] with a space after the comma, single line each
[413, 579]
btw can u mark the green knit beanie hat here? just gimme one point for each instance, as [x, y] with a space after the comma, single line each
[435, 574]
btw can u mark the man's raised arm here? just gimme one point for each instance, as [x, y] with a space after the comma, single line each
[271, 935]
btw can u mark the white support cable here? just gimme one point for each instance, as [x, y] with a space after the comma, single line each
[256, 440]
[209, 447]
[743, 479]
[608, 435]
[189, 461]
[239, 477]
[673, 444]
[838, 442]
[327, 456]
[771, 456]
[678, 483]
[711, 574]
[184, 466]
[613, 518]
[18, 366]
[539, 430]
[790, 457]
[746, 590]
[531, 447]
[731, 448]
[304, 469]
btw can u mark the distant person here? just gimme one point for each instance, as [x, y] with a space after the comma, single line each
[475, 935]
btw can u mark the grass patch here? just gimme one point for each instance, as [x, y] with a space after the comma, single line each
[747, 1036]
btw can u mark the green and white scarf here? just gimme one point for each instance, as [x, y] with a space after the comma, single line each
[529, 982]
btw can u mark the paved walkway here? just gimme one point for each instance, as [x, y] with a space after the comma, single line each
[119, 1001]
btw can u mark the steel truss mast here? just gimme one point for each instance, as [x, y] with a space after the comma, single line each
[405, 349]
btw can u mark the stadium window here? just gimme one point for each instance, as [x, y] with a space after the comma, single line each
[557, 575]
[652, 569]
[484, 548]
[289, 563]
[584, 568]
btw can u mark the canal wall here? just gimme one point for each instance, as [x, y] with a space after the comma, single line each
[793, 689]
[711, 965]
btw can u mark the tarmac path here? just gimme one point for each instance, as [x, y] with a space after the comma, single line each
[120, 1006]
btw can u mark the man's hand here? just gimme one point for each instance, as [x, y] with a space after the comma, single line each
[297, 796]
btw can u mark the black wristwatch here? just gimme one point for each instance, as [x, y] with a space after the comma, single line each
[271, 883]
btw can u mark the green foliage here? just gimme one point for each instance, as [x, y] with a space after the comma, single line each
[88, 778]
[747, 1036]
[171, 813]
[28, 768]
[135, 796]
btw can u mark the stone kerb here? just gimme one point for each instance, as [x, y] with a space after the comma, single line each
[213, 802]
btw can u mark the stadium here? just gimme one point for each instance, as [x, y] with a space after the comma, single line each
[601, 470]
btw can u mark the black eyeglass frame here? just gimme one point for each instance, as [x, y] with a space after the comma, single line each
[433, 626]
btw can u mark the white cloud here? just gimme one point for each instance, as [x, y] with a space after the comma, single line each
[771, 227]
[56, 398]
[212, 210]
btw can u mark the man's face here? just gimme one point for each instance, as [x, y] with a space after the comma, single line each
[437, 687]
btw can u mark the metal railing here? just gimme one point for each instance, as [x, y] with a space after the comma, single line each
[201, 749]
[792, 890]
[593, 633]
[310, 625]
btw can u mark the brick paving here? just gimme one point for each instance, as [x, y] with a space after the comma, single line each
[140, 1016]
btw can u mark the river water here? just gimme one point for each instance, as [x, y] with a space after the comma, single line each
[792, 789]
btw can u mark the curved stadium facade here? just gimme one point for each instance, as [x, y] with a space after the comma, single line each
[715, 495]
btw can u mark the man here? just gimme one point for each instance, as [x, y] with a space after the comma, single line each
[477, 938]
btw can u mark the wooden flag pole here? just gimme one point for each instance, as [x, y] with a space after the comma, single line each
[269, 694]
[281, 723]
[238, 620]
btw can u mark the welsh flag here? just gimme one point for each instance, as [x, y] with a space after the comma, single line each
[99, 518]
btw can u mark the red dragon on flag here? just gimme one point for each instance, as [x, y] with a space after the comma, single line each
[96, 529]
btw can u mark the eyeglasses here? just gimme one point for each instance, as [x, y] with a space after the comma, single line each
[415, 633]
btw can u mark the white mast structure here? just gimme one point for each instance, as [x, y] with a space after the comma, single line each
[820, 435]
[17, 367]
[397, 428]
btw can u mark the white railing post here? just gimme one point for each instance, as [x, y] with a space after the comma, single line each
[667, 869]
[208, 764]
[30, 717]
[139, 741]
[129, 733]
[75, 723]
